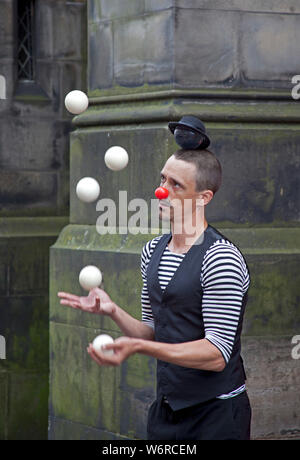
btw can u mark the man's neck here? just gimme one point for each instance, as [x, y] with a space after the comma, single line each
[182, 242]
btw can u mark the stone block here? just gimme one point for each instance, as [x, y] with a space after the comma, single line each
[100, 56]
[267, 56]
[6, 29]
[29, 264]
[24, 324]
[71, 18]
[284, 6]
[110, 9]
[44, 19]
[28, 193]
[273, 306]
[24, 147]
[273, 386]
[27, 416]
[205, 47]
[156, 5]
[142, 49]
[260, 176]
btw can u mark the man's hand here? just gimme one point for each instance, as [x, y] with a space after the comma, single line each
[98, 301]
[123, 348]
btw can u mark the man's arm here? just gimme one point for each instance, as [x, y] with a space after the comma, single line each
[130, 326]
[99, 302]
[199, 354]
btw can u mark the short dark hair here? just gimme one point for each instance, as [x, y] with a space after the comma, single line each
[208, 168]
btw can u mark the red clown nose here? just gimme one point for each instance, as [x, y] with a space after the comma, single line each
[161, 193]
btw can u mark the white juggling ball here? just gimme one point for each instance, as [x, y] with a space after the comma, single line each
[116, 158]
[101, 340]
[88, 189]
[76, 102]
[90, 277]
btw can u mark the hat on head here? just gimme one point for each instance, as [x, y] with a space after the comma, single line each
[193, 123]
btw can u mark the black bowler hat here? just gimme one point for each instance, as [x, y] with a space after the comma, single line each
[193, 123]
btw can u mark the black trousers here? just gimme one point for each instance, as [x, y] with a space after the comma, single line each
[217, 419]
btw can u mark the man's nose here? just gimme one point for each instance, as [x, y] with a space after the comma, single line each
[161, 193]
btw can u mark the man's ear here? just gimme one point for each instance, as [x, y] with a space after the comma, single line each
[205, 197]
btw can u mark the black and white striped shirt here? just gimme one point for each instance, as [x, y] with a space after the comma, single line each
[224, 280]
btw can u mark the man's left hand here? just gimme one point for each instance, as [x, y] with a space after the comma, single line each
[123, 347]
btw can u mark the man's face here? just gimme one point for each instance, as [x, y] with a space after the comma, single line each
[179, 178]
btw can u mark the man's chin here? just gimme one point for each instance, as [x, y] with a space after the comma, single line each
[164, 214]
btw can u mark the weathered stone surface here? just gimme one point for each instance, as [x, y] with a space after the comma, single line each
[6, 29]
[142, 50]
[273, 386]
[284, 6]
[66, 430]
[267, 55]
[24, 324]
[44, 46]
[259, 176]
[205, 47]
[29, 265]
[273, 307]
[156, 5]
[28, 193]
[100, 56]
[69, 17]
[109, 9]
[26, 150]
[27, 416]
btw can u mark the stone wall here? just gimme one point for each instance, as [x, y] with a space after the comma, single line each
[150, 62]
[34, 201]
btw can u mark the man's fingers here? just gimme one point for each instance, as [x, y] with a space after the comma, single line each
[101, 359]
[70, 304]
[66, 295]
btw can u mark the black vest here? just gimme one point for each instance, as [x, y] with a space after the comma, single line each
[178, 318]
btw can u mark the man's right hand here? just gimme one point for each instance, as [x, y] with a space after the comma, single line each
[98, 301]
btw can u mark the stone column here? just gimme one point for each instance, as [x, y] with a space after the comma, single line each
[151, 62]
